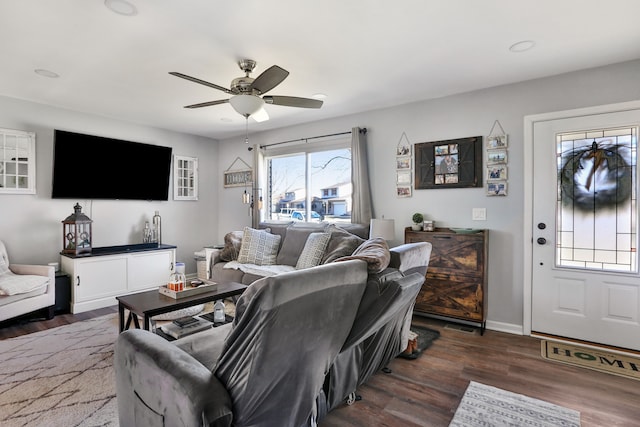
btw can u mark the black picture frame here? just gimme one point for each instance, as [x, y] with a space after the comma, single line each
[463, 157]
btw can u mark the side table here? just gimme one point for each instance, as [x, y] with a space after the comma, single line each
[63, 293]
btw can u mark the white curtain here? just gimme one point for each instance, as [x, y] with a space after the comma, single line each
[361, 211]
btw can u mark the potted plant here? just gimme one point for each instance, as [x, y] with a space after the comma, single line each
[417, 219]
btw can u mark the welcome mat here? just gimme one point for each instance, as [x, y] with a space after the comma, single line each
[596, 359]
[486, 406]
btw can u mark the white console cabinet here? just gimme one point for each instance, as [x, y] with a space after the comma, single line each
[96, 279]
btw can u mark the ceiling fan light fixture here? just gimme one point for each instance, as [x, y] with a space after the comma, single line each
[246, 105]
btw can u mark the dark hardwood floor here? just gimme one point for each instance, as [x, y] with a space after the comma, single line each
[426, 391]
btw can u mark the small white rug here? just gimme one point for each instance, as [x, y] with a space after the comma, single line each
[488, 406]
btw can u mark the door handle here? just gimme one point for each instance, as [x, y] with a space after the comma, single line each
[541, 240]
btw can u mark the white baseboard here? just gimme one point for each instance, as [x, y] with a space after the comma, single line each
[509, 328]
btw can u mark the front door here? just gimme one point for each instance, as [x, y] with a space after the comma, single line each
[585, 281]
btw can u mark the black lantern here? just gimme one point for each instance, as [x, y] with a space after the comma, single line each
[76, 233]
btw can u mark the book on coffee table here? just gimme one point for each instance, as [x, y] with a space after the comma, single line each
[178, 332]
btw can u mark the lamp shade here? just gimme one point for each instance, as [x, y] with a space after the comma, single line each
[246, 105]
[384, 228]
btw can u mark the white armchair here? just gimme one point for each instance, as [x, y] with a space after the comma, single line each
[37, 293]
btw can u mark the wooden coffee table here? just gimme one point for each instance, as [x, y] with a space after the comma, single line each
[151, 303]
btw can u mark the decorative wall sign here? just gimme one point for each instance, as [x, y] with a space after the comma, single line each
[238, 177]
[454, 163]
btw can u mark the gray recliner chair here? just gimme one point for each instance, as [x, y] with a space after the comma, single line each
[382, 325]
[267, 368]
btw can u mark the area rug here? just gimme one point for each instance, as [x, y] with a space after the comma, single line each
[486, 406]
[625, 365]
[63, 377]
[60, 377]
[425, 338]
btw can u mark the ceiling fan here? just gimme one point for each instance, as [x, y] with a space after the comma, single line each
[247, 93]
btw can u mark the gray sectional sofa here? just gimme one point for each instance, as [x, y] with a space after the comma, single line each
[223, 265]
[301, 342]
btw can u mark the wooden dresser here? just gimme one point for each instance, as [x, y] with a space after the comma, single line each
[456, 281]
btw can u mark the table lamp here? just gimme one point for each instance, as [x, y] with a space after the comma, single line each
[384, 228]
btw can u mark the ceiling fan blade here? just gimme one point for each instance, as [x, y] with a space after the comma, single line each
[202, 82]
[260, 116]
[269, 79]
[207, 104]
[292, 101]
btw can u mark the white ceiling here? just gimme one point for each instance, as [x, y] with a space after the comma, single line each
[363, 54]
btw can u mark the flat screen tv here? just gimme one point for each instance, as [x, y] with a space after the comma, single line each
[94, 167]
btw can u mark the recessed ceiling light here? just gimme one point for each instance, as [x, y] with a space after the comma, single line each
[46, 73]
[121, 7]
[522, 46]
[319, 96]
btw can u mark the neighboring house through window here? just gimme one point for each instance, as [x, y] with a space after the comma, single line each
[309, 178]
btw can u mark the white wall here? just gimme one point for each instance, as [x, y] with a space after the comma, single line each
[458, 116]
[30, 225]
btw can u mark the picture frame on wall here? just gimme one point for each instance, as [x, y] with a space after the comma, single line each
[496, 157]
[403, 149]
[454, 163]
[403, 191]
[403, 177]
[496, 141]
[496, 172]
[497, 188]
[403, 163]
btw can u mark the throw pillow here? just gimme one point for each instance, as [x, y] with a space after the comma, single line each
[342, 243]
[313, 250]
[375, 252]
[258, 247]
[232, 244]
[294, 242]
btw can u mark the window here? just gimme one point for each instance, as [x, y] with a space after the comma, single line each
[315, 182]
[17, 162]
[597, 200]
[185, 178]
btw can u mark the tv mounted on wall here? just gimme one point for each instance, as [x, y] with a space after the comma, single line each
[94, 167]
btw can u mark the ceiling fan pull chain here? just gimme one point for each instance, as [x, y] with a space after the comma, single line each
[246, 138]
